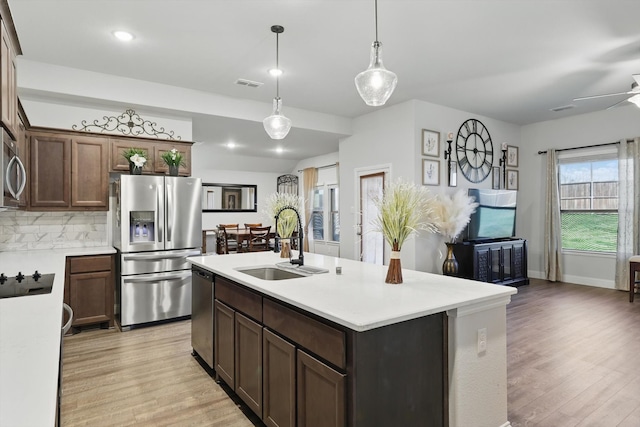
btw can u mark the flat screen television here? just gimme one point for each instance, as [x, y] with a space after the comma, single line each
[495, 217]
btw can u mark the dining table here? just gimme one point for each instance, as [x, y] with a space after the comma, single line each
[241, 235]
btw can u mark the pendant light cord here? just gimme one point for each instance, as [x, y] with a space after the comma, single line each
[278, 66]
[376, 14]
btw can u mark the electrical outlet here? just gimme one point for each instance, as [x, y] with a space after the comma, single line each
[482, 340]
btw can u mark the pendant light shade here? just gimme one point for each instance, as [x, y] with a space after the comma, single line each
[376, 84]
[277, 125]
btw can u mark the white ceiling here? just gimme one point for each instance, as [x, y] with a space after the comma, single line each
[511, 60]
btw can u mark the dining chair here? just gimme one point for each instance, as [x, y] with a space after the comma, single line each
[259, 238]
[634, 267]
[227, 244]
[248, 226]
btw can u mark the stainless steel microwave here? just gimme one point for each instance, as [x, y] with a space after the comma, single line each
[14, 176]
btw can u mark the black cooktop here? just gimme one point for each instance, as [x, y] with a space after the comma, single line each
[21, 285]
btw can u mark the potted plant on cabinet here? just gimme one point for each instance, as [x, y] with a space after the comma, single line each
[174, 159]
[136, 157]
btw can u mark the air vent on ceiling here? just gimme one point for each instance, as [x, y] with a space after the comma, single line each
[564, 107]
[248, 83]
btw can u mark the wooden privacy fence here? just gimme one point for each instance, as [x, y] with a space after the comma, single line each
[589, 196]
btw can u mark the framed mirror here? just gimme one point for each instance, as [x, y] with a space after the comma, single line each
[229, 197]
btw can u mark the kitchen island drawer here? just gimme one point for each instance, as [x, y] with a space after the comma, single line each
[319, 338]
[241, 299]
[89, 263]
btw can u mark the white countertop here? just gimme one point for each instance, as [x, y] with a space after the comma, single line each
[30, 329]
[358, 298]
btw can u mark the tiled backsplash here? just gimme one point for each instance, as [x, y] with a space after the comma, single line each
[20, 231]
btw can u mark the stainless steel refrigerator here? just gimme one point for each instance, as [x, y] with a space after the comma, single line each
[157, 223]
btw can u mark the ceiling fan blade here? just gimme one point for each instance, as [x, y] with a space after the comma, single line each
[601, 96]
[616, 104]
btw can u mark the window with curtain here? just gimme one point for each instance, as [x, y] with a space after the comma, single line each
[317, 215]
[325, 216]
[589, 201]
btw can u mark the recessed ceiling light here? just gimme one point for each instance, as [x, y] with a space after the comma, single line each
[279, 150]
[231, 145]
[275, 72]
[123, 36]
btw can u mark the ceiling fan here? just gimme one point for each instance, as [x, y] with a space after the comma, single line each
[634, 94]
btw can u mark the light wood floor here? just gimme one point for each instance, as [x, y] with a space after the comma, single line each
[573, 353]
[571, 362]
[144, 377]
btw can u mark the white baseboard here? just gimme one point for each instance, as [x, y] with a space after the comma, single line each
[578, 280]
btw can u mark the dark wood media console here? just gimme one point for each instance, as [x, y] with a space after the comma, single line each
[499, 261]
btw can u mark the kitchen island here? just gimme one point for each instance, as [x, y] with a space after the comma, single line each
[369, 353]
[30, 329]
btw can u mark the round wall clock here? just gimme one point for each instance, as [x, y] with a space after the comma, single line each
[474, 150]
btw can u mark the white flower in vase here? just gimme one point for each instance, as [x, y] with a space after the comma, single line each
[138, 160]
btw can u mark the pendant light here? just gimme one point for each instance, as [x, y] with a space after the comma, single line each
[376, 84]
[277, 125]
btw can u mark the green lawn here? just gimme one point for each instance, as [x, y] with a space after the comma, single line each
[589, 231]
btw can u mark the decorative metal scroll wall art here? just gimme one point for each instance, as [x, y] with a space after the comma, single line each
[127, 123]
[288, 184]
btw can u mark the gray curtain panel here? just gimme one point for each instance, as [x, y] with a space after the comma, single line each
[552, 234]
[628, 207]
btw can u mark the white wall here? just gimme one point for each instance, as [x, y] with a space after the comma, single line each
[266, 182]
[41, 79]
[63, 116]
[384, 136]
[430, 248]
[393, 135]
[315, 162]
[587, 129]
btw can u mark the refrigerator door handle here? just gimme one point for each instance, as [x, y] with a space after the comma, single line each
[158, 207]
[159, 257]
[169, 209]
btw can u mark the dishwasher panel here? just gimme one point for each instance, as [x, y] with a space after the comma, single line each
[202, 314]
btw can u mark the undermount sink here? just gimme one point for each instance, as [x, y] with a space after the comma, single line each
[270, 273]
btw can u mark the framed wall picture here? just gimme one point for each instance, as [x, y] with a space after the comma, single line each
[430, 143]
[430, 172]
[512, 156]
[495, 178]
[231, 198]
[512, 179]
[453, 173]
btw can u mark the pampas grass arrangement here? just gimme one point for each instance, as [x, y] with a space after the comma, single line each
[288, 219]
[404, 209]
[451, 214]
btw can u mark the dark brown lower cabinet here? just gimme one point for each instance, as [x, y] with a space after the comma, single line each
[293, 368]
[321, 394]
[248, 357]
[279, 381]
[499, 261]
[224, 359]
[89, 288]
